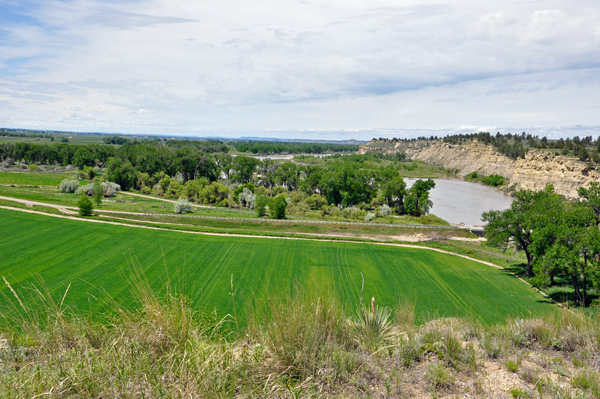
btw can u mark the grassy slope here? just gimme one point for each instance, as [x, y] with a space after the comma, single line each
[64, 251]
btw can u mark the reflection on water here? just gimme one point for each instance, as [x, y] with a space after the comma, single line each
[458, 201]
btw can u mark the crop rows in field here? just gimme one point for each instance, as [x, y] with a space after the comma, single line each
[94, 256]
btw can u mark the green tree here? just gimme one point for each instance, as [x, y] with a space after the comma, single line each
[261, 205]
[515, 224]
[98, 193]
[277, 207]
[394, 192]
[417, 200]
[121, 172]
[85, 206]
[347, 186]
[571, 252]
[590, 197]
[244, 168]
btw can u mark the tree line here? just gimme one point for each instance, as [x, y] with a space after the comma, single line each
[267, 147]
[560, 238]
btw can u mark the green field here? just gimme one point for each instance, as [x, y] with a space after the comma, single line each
[91, 256]
[34, 178]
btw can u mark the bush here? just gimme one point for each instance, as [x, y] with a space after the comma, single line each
[385, 210]
[277, 207]
[493, 180]
[247, 198]
[512, 366]
[370, 216]
[85, 206]
[110, 188]
[183, 206]
[68, 186]
[87, 173]
[88, 189]
[33, 167]
[316, 201]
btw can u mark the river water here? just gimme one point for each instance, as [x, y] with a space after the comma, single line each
[458, 201]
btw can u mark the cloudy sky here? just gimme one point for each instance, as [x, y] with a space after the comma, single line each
[334, 69]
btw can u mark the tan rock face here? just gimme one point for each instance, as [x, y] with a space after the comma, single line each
[470, 158]
[537, 170]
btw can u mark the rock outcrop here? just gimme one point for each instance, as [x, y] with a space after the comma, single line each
[538, 169]
[466, 159]
[390, 147]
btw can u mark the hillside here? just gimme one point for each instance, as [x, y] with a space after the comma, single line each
[538, 169]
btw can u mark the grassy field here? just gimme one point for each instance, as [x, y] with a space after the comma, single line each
[72, 137]
[34, 178]
[66, 252]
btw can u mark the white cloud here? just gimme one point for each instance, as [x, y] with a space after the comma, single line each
[230, 66]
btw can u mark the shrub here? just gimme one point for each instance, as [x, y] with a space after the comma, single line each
[512, 366]
[183, 206]
[277, 207]
[110, 188]
[87, 173]
[385, 210]
[88, 189]
[33, 167]
[493, 180]
[247, 198]
[85, 206]
[68, 186]
[370, 216]
[214, 193]
[316, 201]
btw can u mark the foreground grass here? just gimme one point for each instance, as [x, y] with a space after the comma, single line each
[93, 256]
[301, 344]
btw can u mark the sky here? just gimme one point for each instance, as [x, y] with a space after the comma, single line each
[336, 69]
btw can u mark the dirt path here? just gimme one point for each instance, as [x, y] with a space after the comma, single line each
[62, 208]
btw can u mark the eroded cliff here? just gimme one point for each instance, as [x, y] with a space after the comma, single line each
[538, 169]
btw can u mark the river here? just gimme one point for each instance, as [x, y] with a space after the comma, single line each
[458, 201]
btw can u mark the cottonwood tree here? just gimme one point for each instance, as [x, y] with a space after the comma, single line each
[516, 224]
[417, 202]
[393, 193]
[571, 253]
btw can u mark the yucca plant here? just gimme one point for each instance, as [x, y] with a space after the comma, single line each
[372, 327]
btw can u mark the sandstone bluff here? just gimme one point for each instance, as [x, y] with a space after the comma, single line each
[538, 169]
